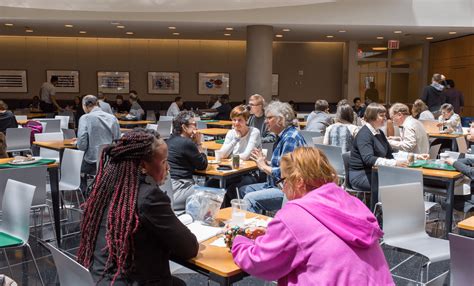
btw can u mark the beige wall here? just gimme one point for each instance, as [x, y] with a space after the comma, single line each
[321, 64]
[455, 59]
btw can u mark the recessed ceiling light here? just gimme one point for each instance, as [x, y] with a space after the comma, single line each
[380, 38]
[29, 30]
[8, 24]
[175, 34]
[172, 28]
[429, 38]
[379, 48]
[227, 35]
[229, 29]
[329, 36]
[115, 23]
[121, 27]
[279, 36]
[342, 31]
[129, 33]
[82, 32]
[68, 26]
[452, 33]
[397, 32]
[286, 30]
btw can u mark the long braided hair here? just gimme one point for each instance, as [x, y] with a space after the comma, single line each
[116, 188]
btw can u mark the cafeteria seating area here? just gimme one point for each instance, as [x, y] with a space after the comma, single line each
[314, 142]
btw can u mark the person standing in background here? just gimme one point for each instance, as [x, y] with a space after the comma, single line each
[433, 94]
[454, 96]
[47, 96]
[175, 107]
[372, 93]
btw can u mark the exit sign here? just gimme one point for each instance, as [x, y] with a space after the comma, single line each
[393, 44]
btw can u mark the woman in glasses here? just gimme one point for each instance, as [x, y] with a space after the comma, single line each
[322, 236]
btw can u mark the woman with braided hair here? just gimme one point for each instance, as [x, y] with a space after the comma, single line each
[129, 230]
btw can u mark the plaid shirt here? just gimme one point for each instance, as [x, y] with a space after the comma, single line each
[287, 141]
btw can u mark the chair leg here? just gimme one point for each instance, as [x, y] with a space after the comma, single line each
[50, 212]
[8, 263]
[34, 261]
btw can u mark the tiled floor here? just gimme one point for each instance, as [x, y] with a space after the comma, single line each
[25, 274]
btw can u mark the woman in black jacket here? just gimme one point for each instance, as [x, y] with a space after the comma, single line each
[370, 148]
[129, 230]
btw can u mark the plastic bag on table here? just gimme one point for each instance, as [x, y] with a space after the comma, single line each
[204, 204]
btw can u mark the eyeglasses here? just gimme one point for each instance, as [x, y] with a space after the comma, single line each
[251, 104]
[192, 124]
[280, 182]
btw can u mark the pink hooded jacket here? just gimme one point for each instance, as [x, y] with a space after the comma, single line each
[327, 237]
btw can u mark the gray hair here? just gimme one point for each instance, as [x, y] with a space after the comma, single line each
[182, 118]
[89, 100]
[447, 106]
[282, 110]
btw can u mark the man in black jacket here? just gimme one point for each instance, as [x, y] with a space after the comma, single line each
[433, 94]
[185, 155]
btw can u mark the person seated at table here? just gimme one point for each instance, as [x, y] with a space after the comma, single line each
[266, 196]
[322, 236]
[213, 102]
[370, 148]
[129, 230]
[449, 122]
[185, 156]
[413, 137]
[135, 108]
[357, 120]
[464, 202]
[7, 119]
[96, 128]
[120, 105]
[175, 107]
[358, 107]
[35, 105]
[470, 133]
[420, 111]
[343, 132]
[257, 118]
[319, 119]
[241, 140]
[103, 104]
[223, 111]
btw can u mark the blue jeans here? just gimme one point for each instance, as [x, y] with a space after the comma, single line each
[262, 197]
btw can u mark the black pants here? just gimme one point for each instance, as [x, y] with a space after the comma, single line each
[231, 186]
[87, 169]
[47, 107]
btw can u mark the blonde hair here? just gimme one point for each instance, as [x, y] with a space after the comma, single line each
[240, 110]
[257, 97]
[309, 164]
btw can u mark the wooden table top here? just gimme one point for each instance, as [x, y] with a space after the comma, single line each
[467, 224]
[445, 135]
[245, 166]
[211, 145]
[214, 131]
[56, 145]
[441, 173]
[22, 122]
[219, 259]
[220, 123]
[36, 115]
[303, 123]
[135, 122]
[6, 160]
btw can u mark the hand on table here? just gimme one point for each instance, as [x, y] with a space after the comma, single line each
[450, 161]
[403, 163]
[423, 156]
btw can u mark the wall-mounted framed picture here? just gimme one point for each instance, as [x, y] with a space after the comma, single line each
[213, 83]
[275, 83]
[13, 81]
[163, 82]
[68, 81]
[113, 82]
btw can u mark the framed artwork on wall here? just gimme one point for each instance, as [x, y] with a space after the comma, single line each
[68, 81]
[163, 82]
[275, 83]
[13, 81]
[213, 83]
[113, 82]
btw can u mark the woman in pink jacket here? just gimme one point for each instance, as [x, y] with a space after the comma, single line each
[322, 236]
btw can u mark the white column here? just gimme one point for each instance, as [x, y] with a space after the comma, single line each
[352, 71]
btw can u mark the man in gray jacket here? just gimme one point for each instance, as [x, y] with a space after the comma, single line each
[319, 119]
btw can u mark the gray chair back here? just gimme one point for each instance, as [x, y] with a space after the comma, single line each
[403, 211]
[52, 125]
[438, 281]
[69, 271]
[201, 124]
[164, 128]
[345, 159]
[434, 150]
[18, 139]
[150, 115]
[462, 253]
[16, 207]
[35, 176]
[334, 154]
[395, 175]
[309, 135]
[69, 133]
[165, 118]
[269, 147]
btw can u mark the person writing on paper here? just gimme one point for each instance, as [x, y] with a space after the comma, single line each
[185, 156]
[129, 230]
[370, 148]
[241, 140]
[175, 107]
[322, 236]
[413, 137]
[449, 122]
